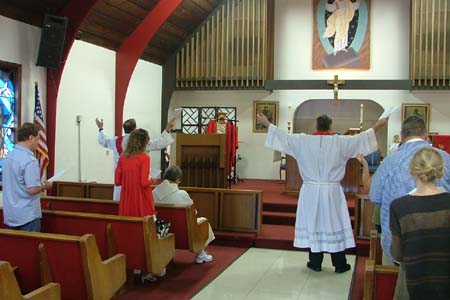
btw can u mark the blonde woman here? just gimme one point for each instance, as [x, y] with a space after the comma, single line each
[132, 173]
[420, 226]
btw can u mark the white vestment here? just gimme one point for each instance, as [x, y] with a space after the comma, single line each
[159, 143]
[323, 221]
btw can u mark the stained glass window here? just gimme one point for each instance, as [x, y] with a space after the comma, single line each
[8, 112]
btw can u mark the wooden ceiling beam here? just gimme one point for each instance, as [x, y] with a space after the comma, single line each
[131, 50]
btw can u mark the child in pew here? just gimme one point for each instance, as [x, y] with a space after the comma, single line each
[167, 192]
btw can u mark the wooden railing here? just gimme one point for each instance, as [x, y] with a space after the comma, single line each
[226, 209]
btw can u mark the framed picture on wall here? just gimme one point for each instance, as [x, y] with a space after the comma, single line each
[419, 109]
[268, 108]
[341, 37]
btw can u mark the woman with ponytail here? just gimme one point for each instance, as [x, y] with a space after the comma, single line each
[420, 226]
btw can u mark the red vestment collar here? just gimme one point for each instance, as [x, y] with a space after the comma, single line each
[321, 132]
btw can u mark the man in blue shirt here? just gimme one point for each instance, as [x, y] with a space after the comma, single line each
[392, 179]
[21, 182]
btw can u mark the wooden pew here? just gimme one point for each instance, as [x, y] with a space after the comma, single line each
[379, 280]
[80, 205]
[134, 237]
[183, 219]
[72, 261]
[188, 234]
[9, 288]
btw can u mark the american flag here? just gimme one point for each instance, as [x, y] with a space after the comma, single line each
[41, 151]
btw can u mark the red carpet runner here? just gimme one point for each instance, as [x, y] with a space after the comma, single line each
[184, 278]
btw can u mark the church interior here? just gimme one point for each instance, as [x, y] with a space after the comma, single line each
[213, 65]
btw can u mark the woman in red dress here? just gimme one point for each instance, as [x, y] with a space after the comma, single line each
[132, 173]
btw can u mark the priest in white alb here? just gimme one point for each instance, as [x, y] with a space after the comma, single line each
[323, 221]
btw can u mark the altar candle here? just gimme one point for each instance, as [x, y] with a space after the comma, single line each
[361, 114]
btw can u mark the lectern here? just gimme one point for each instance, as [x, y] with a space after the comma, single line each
[203, 160]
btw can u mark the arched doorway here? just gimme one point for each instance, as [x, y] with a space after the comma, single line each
[345, 115]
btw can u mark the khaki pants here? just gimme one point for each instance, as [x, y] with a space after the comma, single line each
[401, 289]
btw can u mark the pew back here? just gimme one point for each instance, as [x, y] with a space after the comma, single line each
[80, 205]
[132, 236]
[71, 261]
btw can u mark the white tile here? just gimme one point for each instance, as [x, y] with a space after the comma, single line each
[278, 274]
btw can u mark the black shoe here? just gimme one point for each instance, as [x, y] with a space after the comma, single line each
[313, 267]
[343, 269]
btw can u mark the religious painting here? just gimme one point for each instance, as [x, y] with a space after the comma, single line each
[341, 38]
[421, 110]
[269, 109]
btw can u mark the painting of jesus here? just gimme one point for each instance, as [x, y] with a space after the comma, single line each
[341, 34]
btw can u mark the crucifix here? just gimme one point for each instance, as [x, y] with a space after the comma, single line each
[335, 82]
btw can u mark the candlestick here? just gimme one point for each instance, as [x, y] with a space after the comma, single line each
[361, 116]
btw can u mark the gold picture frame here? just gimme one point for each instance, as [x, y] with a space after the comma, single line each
[270, 109]
[420, 109]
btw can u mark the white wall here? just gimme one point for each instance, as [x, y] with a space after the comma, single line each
[87, 89]
[389, 30]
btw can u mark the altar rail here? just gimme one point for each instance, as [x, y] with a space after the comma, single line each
[234, 210]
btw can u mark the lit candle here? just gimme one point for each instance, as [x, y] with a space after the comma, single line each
[361, 114]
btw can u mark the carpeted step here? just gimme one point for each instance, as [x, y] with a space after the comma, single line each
[234, 239]
[276, 237]
[286, 218]
[280, 207]
[279, 218]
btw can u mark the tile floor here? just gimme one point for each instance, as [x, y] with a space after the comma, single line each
[261, 274]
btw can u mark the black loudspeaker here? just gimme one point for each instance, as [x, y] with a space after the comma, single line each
[52, 41]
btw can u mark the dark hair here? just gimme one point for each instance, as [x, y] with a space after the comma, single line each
[26, 130]
[413, 126]
[137, 142]
[173, 173]
[323, 123]
[129, 125]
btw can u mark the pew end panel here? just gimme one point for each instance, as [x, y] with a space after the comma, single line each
[198, 231]
[104, 277]
[188, 233]
[379, 281]
[159, 251]
[9, 288]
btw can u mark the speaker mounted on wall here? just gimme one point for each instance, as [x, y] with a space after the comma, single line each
[52, 41]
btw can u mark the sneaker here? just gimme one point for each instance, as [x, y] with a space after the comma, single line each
[314, 267]
[162, 273]
[343, 269]
[203, 257]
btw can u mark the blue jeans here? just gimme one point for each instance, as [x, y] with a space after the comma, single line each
[34, 225]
